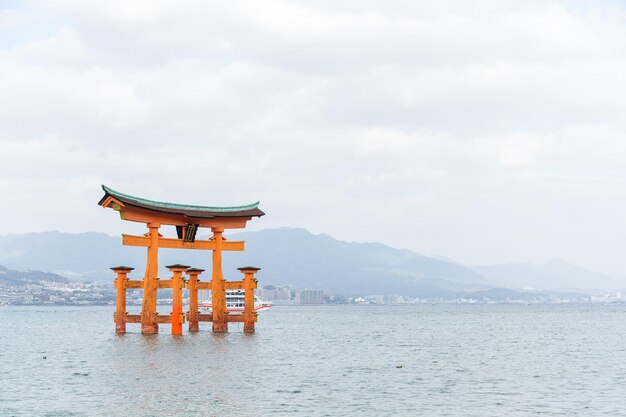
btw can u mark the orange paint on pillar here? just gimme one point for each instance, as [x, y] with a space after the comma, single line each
[192, 286]
[177, 297]
[218, 290]
[149, 322]
[249, 284]
[120, 306]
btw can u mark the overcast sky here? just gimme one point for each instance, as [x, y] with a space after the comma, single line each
[486, 131]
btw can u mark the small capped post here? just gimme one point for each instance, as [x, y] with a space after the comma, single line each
[178, 283]
[249, 284]
[192, 286]
[120, 305]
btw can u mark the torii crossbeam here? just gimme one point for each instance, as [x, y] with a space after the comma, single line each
[187, 219]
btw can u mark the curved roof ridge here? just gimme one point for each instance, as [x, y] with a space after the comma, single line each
[190, 207]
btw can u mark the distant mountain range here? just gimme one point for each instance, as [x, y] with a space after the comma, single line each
[296, 257]
[18, 278]
[553, 275]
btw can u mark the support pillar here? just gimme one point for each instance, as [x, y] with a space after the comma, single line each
[149, 323]
[249, 284]
[177, 297]
[120, 307]
[218, 290]
[192, 286]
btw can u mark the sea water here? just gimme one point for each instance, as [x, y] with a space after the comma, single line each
[430, 360]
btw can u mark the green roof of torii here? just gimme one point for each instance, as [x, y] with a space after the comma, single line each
[192, 210]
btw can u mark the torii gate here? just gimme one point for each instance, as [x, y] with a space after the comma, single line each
[187, 219]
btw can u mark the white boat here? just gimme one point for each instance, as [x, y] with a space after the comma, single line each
[235, 303]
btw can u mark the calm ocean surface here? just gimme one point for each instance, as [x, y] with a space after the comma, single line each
[457, 360]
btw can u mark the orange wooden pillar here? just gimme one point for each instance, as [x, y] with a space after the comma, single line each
[177, 297]
[249, 284]
[192, 286]
[149, 321]
[218, 289]
[120, 307]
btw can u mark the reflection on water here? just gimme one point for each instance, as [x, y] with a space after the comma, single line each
[329, 360]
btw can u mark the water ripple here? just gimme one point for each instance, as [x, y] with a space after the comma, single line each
[434, 360]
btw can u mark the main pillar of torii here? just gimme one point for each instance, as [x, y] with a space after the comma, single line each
[187, 219]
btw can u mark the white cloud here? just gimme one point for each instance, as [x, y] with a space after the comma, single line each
[487, 131]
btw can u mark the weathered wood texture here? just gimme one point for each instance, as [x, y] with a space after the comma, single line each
[149, 323]
[218, 290]
[192, 286]
[177, 299]
[249, 284]
[120, 305]
[169, 243]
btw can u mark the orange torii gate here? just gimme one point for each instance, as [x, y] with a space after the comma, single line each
[187, 219]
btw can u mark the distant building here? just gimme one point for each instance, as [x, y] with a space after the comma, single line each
[271, 293]
[204, 295]
[310, 296]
